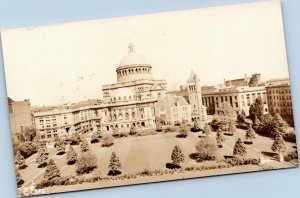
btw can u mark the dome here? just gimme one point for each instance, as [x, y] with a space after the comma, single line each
[132, 58]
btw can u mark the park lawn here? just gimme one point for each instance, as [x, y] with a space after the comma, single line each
[137, 153]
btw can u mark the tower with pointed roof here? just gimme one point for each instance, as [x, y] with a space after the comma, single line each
[195, 98]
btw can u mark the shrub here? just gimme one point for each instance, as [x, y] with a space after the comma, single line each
[170, 129]
[207, 129]
[107, 141]
[207, 149]
[196, 126]
[60, 147]
[239, 150]
[19, 160]
[177, 156]
[132, 130]
[42, 157]
[114, 165]
[84, 146]
[96, 137]
[71, 156]
[278, 145]
[250, 134]
[20, 180]
[26, 149]
[290, 137]
[232, 128]
[86, 163]
[75, 139]
[220, 137]
[51, 171]
[184, 130]
[290, 156]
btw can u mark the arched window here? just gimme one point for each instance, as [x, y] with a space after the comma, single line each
[127, 116]
[133, 115]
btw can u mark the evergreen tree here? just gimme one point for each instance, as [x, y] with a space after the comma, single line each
[75, 139]
[220, 137]
[177, 155]
[239, 150]
[232, 127]
[207, 129]
[256, 109]
[184, 129]
[20, 161]
[19, 178]
[115, 164]
[96, 136]
[197, 126]
[51, 171]
[84, 146]
[250, 134]
[279, 146]
[42, 157]
[280, 126]
[71, 155]
[60, 147]
[132, 130]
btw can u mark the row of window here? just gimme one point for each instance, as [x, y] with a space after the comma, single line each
[126, 72]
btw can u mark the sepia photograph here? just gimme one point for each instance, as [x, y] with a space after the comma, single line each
[149, 98]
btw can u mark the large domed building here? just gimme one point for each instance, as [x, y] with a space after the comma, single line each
[131, 100]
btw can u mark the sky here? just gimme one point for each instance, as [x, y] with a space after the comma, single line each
[64, 63]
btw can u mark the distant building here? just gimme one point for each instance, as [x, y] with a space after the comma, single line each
[240, 98]
[254, 80]
[173, 109]
[135, 99]
[20, 115]
[280, 100]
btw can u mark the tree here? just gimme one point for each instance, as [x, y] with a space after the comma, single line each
[272, 126]
[279, 146]
[42, 157]
[250, 135]
[232, 128]
[220, 137]
[107, 141]
[51, 171]
[60, 147]
[207, 129]
[132, 130]
[280, 126]
[227, 109]
[184, 130]
[19, 178]
[84, 146]
[239, 150]
[256, 123]
[71, 156]
[20, 161]
[256, 109]
[114, 165]
[29, 133]
[207, 149]
[197, 126]
[86, 163]
[75, 139]
[96, 137]
[241, 118]
[115, 131]
[177, 155]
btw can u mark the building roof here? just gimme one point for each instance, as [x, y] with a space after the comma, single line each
[132, 58]
[193, 77]
[172, 101]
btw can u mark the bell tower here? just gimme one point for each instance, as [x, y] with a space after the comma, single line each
[195, 97]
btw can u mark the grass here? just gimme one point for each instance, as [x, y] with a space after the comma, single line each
[152, 152]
